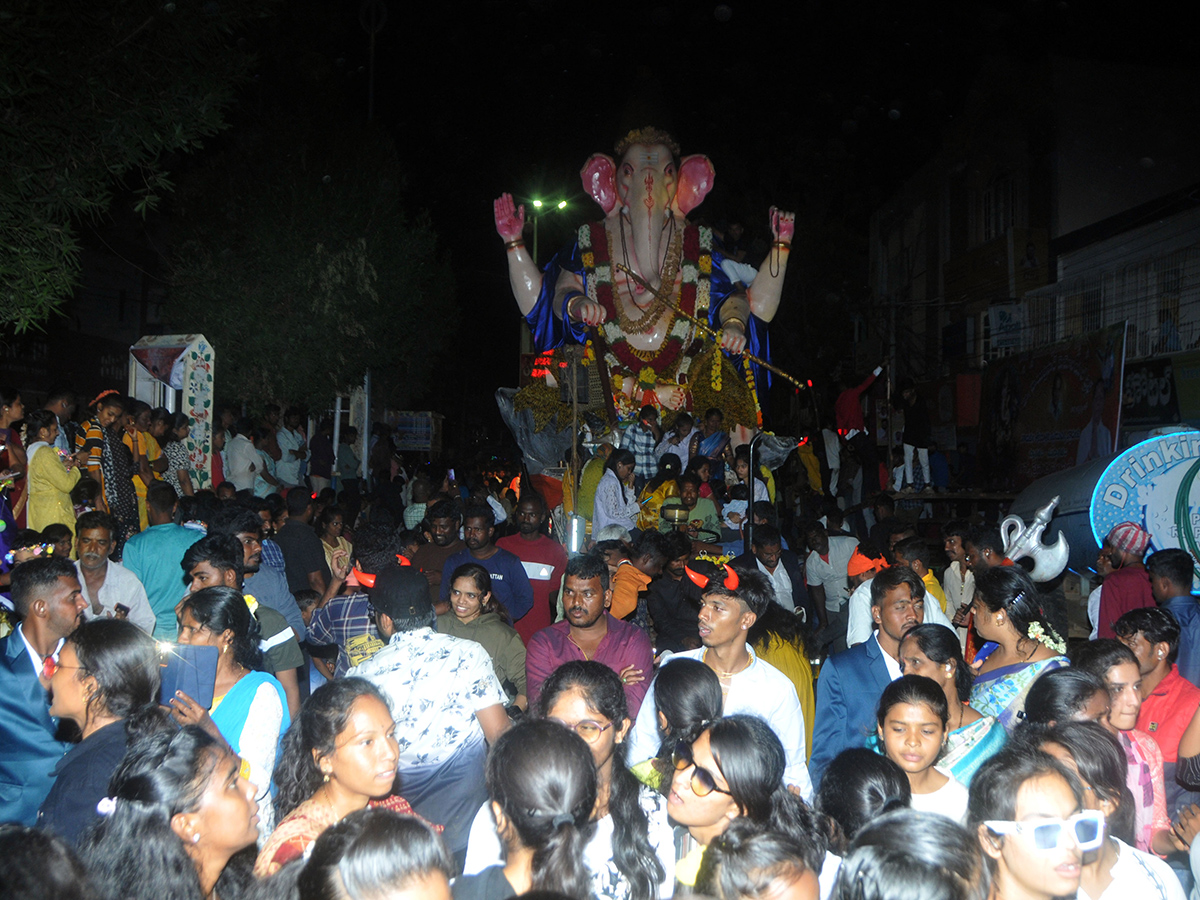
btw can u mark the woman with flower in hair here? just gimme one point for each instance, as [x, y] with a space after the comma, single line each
[1022, 643]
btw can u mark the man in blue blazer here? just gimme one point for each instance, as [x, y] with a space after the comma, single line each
[852, 681]
[46, 594]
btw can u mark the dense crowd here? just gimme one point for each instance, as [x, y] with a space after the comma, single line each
[291, 681]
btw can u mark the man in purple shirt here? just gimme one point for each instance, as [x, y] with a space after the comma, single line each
[590, 632]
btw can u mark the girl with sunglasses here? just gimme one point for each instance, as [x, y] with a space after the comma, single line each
[1116, 870]
[912, 730]
[630, 854]
[1026, 809]
[734, 771]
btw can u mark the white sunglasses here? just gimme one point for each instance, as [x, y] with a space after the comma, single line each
[1087, 829]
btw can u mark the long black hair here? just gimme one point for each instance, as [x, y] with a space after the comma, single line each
[669, 468]
[857, 788]
[688, 694]
[751, 757]
[603, 692]
[124, 661]
[940, 646]
[133, 853]
[774, 623]
[314, 733]
[544, 780]
[224, 608]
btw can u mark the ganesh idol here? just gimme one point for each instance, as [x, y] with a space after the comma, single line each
[647, 348]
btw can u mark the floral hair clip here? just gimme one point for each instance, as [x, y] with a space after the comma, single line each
[36, 549]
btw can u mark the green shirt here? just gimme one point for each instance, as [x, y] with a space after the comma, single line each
[501, 642]
[706, 511]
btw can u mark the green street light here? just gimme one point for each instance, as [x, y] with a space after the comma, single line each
[543, 207]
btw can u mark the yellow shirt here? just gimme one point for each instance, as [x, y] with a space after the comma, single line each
[934, 588]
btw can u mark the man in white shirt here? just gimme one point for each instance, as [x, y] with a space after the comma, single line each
[828, 586]
[958, 580]
[110, 589]
[678, 440]
[242, 461]
[730, 603]
[863, 570]
[293, 448]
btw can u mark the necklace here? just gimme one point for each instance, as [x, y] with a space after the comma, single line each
[720, 674]
[580, 649]
[667, 276]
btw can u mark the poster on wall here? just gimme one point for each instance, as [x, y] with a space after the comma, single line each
[1148, 395]
[1050, 409]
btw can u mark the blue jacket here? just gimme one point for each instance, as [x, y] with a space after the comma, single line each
[1186, 611]
[848, 692]
[28, 749]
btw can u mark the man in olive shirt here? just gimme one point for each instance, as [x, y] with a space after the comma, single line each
[703, 522]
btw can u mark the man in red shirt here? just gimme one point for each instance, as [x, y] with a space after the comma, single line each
[1128, 587]
[544, 560]
[1170, 710]
[848, 411]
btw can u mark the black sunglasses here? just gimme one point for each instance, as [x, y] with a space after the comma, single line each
[702, 782]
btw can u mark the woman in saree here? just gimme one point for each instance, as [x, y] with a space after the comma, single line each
[657, 489]
[934, 651]
[1021, 643]
[711, 443]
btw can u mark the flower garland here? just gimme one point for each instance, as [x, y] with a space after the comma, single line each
[694, 295]
[750, 383]
[1035, 632]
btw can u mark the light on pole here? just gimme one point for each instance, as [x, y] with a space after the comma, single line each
[543, 207]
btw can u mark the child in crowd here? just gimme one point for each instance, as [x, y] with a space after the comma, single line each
[912, 726]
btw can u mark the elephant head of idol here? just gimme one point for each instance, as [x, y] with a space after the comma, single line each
[646, 193]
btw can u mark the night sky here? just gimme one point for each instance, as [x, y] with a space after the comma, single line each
[822, 107]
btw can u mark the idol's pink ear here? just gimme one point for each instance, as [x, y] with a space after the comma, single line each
[599, 180]
[696, 175]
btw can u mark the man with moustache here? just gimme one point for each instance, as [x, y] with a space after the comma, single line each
[46, 594]
[590, 632]
[544, 560]
[442, 519]
[510, 584]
